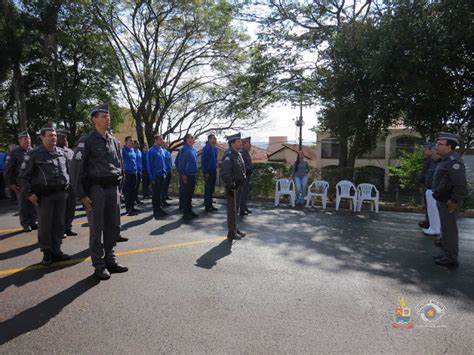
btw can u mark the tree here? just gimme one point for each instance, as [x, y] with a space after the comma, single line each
[181, 66]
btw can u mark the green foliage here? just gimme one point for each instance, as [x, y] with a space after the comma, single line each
[409, 170]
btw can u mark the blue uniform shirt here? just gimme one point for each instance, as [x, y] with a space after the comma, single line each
[3, 158]
[145, 162]
[187, 163]
[156, 163]
[138, 152]
[129, 160]
[168, 160]
[209, 158]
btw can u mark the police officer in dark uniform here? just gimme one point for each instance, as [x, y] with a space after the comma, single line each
[71, 196]
[233, 175]
[97, 171]
[15, 159]
[245, 152]
[44, 178]
[449, 190]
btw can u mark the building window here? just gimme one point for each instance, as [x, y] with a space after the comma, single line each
[377, 153]
[406, 144]
[329, 149]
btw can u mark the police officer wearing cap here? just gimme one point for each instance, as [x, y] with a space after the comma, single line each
[97, 171]
[71, 196]
[233, 175]
[245, 151]
[44, 178]
[449, 190]
[14, 160]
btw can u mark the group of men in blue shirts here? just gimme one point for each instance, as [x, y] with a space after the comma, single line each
[146, 166]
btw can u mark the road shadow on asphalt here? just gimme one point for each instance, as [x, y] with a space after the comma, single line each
[39, 315]
[18, 252]
[136, 222]
[36, 271]
[211, 257]
[11, 234]
[387, 245]
[168, 227]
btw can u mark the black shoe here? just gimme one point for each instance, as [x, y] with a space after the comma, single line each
[248, 211]
[193, 215]
[102, 274]
[47, 258]
[27, 229]
[234, 237]
[169, 199]
[139, 202]
[166, 204]
[242, 234]
[122, 239]
[146, 196]
[244, 213]
[437, 242]
[132, 213]
[424, 224]
[71, 233]
[446, 261]
[34, 226]
[160, 214]
[209, 209]
[61, 257]
[214, 208]
[116, 268]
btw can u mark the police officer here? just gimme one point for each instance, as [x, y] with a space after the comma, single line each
[233, 175]
[245, 152]
[44, 178]
[96, 171]
[209, 170]
[449, 190]
[131, 170]
[188, 170]
[13, 163]
[71, 196]
[156, 171]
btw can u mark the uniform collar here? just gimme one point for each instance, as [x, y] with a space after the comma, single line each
[107, 135]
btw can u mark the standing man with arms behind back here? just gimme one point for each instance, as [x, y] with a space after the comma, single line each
[449, 190]
[209, 170]
[14, 160]
[245, 152]
[71, 196]
[44, 178]
[233, 175]
[188, 170]
[97, 171]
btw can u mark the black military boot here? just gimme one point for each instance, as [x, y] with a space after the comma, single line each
[60, 257]
[47, 258]
[102, 274]
[116, 268]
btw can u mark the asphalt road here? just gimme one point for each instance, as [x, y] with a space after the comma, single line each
[300, 282]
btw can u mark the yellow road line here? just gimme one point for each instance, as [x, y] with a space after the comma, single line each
[121, 253]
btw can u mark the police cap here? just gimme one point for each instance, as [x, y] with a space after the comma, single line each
[449, 137]
[233, 138]
[99, 108]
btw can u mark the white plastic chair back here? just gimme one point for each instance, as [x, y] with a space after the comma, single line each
[365, 190]
[318, 188]
[368, 192]
[285, 185]
[346, 189]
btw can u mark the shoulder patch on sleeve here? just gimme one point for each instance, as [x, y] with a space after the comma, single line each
[451, 157]
[227, 158]
[27, 157]
[456, 166]
[78, 156]
[81, 145]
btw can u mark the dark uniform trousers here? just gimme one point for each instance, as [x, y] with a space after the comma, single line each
[166, 187]
[245, 194]
[209, 188]
[27, 210]
[158, 185]
[233, 200]
[449, 230]
[130, 191]
[104, 224]
[137, 187]
[145, 184]
[70, 208]
[188, 192]
[51, 217]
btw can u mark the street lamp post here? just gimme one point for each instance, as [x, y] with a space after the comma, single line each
[299, 123]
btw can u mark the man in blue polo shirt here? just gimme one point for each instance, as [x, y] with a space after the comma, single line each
[157, 173]
[187, 168]
[130, 186]
[209, 170]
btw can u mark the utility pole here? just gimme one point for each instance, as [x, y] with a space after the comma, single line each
[299, 123]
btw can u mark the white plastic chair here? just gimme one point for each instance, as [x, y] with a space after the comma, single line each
[285, 187]
[365, 193]
[321, 187]
[346, 189]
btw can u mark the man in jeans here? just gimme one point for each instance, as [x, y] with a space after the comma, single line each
[209, 170]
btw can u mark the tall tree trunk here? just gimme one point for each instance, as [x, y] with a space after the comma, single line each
[343, 152]
[20, 96]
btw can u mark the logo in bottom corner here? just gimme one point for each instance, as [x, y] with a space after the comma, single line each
[402, 316]
[431, 311]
